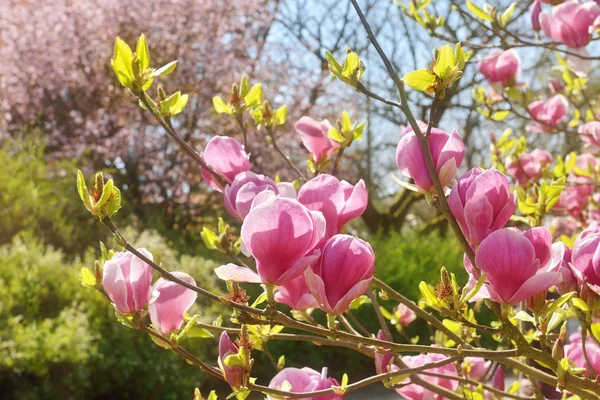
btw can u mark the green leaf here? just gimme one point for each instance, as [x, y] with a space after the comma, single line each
[344, 381]
[166, 104]
[334, 134]
[114, 203]
[385, 313]
[580, 304]
[107, 192]
[281, 362]
[165, 70]
[87, 277]
[212, 395]
[595, 328]
[234, 360]
[259, 300]
[524, 316]
[558, 303]
[334, 65]
[221, 107]
[500, 115]
[421, 80]
[358, 131]
[346, 122]
[279, 116]
[210, 238]
[358, 302]
[121, 63]
[142, 53]
[180, 105]
[244, 87]
[253, 97]
[82, 188]
[350, 65]
[198, 332]
[478, 12]
[445, 61]
[507, 15]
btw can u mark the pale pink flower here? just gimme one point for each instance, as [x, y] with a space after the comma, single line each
[227, 158]
[570, 22]
[170, 302]
[315, 139]
[529, 166]
[501, 66]
[548, 114]
[305, 380]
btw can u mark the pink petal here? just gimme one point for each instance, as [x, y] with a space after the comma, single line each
[536, 284]
[235, 273]
[167, 310]
[478, 217]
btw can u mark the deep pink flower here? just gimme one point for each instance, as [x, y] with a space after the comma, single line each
[548, 114]
[477, 368]
[315, 139]
[281, 234]
[529, 165]
[482, 202]
[295, 294]
[518, 265]
[233, 375]
[170, 303]
[534, 12]
[590, 134]
[498, 379]
[501, 66]
[339, 201]
[570, 22]
[585, 260]
[227, 157]
[305, 380]
[574, 199]
[239, 195]
[382, 361]
[404, 315]
[415, 392]
[343, 274]
[574, 352]
[447, 150]
[127, 280]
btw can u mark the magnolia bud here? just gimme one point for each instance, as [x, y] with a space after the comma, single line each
[537, 301]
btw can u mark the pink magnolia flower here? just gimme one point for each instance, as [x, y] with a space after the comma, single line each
[518, 265]
[305, 380]
[529, 166]
[295, 294]
[482, 202]
[415, 392]
[574, 352]
[590, 134]
[233, 375]
[447, 149]
[570, 22]
[281, 234]
[477, 367]
[548, 114]
[501, 66]
[382, 361]
[315, 139]
[585, 260]
[555, 85]
[574, 199]
[564, 226]
[239, 195]
[564, 252]
[171, 301]
[534, 12]
[227, 157]
[127, 280]
[498, 379]
[404, 315]
[343, 273]
[339, 201]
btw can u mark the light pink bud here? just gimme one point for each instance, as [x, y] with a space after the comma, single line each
[501, 66]
[511, 261]
[529, 166]
[404, 315]
[382, 361]
[127, 280]
[233, 375]
[227, 157]
[305, 380]
[338, 201]
[281, 234]
[315, 139]
[536, 10]
[343, 274]
[447, 150]
[171, 301]
[549, 113]
[570, 22]
[498, 379]
[482, 202]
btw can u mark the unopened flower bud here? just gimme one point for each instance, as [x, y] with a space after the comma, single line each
[537, 301]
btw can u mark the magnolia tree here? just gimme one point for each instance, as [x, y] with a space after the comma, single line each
[292, 239]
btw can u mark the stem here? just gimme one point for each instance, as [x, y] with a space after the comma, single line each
[474, 383]
[282, 154]
[421, 313]
[356, 322]
[590, 367]
[240, 120]
[348, 325]
[382, 322]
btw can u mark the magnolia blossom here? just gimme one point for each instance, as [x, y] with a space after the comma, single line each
[590, 134]
[518, 265]
[529, 165]
[548, 114]
[574, 352]
[296, 295]
[171, 301]
[383, 361]
[127, 280]
[585, 260]
[476, 367]
[534, 13]
[339, 201]
[304, 380]
[570, 22]
[564, 226]
[239, 195]
[343, 274]
[281, 234]
[447, 150]
[482, 202]
[315, 139]
[233, 375]
[404, 315]
[569, 283]
[227, 157]
[501, 67]
[416, 392]
[574, 199]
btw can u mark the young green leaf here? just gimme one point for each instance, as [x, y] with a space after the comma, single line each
[165, 70]
[478, 12]
[142, 53]
[422, 80]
